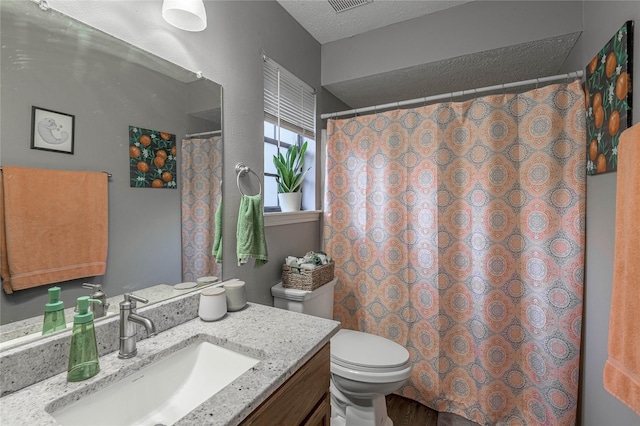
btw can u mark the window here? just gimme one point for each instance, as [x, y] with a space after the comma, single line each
[289, 119]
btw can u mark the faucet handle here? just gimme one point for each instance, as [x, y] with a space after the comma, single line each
[130, 297]
[96, 287]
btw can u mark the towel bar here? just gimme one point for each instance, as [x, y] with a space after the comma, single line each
[241, 170]
[109, 175]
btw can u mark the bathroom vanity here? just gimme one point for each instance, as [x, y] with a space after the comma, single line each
[302, 400]
[288, 385]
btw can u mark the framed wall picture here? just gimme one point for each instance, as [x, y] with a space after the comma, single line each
[152, 158]
[608, 100]
[52, 130]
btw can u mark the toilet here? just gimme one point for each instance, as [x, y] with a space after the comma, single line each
[364, 367]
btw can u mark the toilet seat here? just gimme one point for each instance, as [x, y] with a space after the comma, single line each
[369, 358]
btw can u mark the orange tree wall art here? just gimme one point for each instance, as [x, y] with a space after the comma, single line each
[152, 158]
[608, 100]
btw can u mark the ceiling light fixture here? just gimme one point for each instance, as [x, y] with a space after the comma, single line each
[188, 15]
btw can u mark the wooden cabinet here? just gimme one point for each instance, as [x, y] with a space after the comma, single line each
[301, 400]
[321, 415]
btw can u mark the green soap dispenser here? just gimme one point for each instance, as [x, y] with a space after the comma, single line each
[83, 356]
[54, 313]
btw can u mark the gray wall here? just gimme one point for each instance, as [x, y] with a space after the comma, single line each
[601, 21]
[332, 104]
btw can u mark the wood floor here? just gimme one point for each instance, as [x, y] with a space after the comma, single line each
[406, 412]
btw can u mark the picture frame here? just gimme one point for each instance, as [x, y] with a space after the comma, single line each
[608, 100]
[152, 158]
[52, 130]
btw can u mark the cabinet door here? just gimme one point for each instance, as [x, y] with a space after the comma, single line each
[321, 416]
[299, 397]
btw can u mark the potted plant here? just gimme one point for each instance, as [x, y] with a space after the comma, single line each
[289, 168]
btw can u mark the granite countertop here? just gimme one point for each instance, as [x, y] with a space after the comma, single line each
[282, 340]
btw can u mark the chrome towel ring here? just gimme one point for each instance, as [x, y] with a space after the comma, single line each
[241, 170]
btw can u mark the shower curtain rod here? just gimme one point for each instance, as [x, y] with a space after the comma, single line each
[575, 74]
[212, 132]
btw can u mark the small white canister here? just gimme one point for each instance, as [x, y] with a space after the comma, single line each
[236, 295]
[213, 304]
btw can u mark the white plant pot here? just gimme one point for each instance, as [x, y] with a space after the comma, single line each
[290, 201]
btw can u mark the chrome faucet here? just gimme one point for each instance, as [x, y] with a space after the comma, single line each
[99, 309]
[128, 320]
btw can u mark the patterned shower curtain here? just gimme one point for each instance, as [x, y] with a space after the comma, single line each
[458, 232]
[201, 170]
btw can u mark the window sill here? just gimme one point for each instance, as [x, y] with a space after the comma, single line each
[288, 218]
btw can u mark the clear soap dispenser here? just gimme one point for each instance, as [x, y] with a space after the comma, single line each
[83, 355]
[54, 313]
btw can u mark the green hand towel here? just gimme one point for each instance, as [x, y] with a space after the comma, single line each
[217, 239]
[251, 241]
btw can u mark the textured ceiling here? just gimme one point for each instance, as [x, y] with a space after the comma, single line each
[325, 25]
[509, 64]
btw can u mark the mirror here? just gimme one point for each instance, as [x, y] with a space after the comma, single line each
[52, 61]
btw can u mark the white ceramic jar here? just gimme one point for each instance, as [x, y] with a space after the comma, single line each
[213, 304]
[236, 295]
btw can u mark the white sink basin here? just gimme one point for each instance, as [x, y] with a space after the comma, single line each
[163, 392]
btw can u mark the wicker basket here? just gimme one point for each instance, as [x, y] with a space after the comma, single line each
[307, 279]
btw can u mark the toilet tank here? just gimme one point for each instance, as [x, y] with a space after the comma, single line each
[318, 302]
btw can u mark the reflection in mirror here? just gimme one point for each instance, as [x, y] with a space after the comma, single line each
[54, 62]
[28, 330]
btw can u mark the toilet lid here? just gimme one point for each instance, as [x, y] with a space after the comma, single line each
[367, 351]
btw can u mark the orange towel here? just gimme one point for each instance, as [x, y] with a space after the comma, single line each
[622, 369]
[55, 226]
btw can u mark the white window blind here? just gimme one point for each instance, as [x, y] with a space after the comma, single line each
[288, 101]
